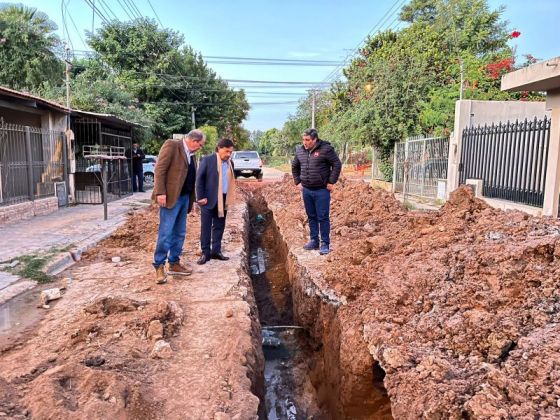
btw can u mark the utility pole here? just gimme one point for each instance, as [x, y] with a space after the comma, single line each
[313, 105]
[462, 79]
[69, 156]
[192, 117]
[67, 72]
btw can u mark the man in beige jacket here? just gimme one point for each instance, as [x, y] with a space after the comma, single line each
[174, 191]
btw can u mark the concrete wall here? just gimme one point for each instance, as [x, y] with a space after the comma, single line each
[27, 210]
[471, 113]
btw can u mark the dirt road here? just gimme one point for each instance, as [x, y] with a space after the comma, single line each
[92, 356]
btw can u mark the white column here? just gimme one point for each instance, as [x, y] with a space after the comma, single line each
[552, 185]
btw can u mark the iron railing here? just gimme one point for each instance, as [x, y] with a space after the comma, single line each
[418, 165]
[510, 158]
[32, 160]
[91, 132]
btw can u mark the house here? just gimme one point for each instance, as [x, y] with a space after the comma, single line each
[32, 155]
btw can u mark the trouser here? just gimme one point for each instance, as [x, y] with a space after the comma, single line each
[211, 230]
[172, 231]
[317, 206]
[138, 184]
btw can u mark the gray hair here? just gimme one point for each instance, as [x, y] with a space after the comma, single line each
[196, 135]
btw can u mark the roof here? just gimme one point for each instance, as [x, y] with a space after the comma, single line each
[539, 77]
[38, 100]
[55, 105]
[107, 117]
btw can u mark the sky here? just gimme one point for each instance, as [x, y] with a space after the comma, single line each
[325, 30]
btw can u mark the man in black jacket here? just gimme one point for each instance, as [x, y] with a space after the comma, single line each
[316, 168]
[137, 156]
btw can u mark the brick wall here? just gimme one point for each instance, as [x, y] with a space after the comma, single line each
[28, 209]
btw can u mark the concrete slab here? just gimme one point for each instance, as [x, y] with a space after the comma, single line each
[7, 279]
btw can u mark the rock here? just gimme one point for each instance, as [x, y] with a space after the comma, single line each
[496, 236]
[155, 330]
[221, 416]
[95, 361]
[161, 350]
[116, 259]
[271, 342]
[50, 294]
[394, 358]
[229, 313]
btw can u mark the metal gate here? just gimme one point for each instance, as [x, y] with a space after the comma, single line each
[418, 165]
[510, 159]
[32, 161]
[89, 190]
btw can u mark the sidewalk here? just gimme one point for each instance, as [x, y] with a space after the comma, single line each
[75, 228]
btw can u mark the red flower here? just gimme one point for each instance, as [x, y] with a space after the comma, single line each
[515, 34]
[495, 70]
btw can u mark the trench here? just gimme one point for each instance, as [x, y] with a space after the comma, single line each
[302, 376]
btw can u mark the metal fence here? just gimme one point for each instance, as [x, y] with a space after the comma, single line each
[418, 165]
[510, 158]
[376, 165]
[32, 161]
[89, 190]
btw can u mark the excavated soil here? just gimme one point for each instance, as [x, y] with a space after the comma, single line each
[93, 354]
[455, 312]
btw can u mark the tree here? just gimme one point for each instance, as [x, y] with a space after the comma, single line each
[168, 78]
[29, 49]
[406, 82]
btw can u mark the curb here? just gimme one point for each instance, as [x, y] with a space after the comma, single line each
[67, 259]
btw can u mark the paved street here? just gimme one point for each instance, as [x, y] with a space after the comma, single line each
[68, 226]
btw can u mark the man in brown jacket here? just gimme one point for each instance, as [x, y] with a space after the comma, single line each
[174, 191]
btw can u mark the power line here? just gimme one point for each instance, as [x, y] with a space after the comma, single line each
[270, 59]
[155, 13]
[125, 10]
[377, 26]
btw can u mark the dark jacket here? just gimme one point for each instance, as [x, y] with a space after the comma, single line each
[137, 158]
[317, 167]
[171, 172]
[207, 180]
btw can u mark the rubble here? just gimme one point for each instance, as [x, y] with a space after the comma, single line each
[49, 295]
[161, 350]
[449, 303]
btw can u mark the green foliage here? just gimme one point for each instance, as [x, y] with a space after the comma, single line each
[211, 139]
[29, 49]
[151, 146]
[406, 82]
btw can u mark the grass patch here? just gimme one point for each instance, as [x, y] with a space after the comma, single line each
[31, 266]
[409, 205]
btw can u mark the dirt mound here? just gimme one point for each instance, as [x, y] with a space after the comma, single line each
[446, 301]
[138, 233]
[73, 391]
[112, 305]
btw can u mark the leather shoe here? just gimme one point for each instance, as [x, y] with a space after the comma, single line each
[219, 256]
[203, 259]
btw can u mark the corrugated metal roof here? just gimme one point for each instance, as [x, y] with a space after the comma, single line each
[108, 117]
[23, 95]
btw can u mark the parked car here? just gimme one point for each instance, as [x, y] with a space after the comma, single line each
[149, 167]
[246, 164]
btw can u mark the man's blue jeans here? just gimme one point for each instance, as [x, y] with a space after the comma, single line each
[317, 206]
[137, 181]
[172, 231]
